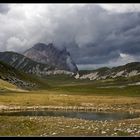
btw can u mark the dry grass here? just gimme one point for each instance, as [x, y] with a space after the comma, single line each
[53, 98]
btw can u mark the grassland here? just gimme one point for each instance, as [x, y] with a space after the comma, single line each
[65, 99]
[64, 92]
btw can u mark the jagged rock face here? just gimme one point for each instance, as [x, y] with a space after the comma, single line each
[49, 54]
[23, 63]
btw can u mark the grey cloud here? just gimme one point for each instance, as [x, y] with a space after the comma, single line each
[4, 8]
[91, 34]
[123, 37]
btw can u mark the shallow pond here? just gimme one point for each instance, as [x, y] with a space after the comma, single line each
[74, 114]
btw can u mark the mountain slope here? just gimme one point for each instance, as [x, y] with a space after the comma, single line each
[20, 79]
[6, 86]
[20, 62]
[49, 54]
[128, 70]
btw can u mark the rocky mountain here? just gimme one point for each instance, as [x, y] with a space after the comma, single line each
[128, 70]
[23, 63]
[51, 55]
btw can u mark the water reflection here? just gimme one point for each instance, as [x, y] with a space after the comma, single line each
[71, 114]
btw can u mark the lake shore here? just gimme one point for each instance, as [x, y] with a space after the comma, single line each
[9, 108]
[62, 126]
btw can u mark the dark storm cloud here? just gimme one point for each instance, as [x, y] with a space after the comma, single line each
[122, 37]
[92, 34]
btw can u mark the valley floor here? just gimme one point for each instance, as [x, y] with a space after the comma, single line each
[84, 97]
[61, 126]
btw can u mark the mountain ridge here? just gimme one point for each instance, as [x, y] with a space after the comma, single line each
[39, 61]
[127, 70]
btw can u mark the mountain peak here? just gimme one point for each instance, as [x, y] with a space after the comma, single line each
[51, 45]
[64, 49]
[51, 55]
[39, 46]
[42, 46]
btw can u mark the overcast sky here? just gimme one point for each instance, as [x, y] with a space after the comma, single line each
[96, 35]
